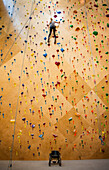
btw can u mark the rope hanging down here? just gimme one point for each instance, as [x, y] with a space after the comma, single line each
[17, 36]
[11, 150]
[8, 27]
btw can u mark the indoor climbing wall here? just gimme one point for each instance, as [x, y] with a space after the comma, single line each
[54, 96]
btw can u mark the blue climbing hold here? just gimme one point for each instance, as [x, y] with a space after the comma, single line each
[62, 50]
[45, 38]
[45, 55]
[58, 12]
[29, 146]
[58, 43]
[40, 136]
[30, 17]
[33, 126]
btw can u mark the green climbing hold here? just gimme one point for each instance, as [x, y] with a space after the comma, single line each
[95, 33]
[107, 24]
[74, 38]
[62, 75]
[105, 116]
[107, 52]
[71, 26]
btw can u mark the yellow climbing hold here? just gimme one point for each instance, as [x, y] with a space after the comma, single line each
[12, 120]
[32, 54]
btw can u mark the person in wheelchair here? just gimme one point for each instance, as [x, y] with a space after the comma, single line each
[55, 157]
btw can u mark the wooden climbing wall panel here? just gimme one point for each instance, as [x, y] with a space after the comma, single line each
[54, 96]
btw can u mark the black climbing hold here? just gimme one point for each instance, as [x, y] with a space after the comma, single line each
[104, 4]
[107, 15]
[26, 26]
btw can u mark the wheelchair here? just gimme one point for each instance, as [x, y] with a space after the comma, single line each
[55, 158]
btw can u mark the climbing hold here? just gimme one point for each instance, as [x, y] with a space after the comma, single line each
[62, 50]
[70, 118]
[104, 4]
[107, 52]
[45, 55]
[95, 5]
[77, 114]
[75, 12]
[107, 15]
[24, 119]
[12, 120]
[71, 26]
[57, 63]
[77, 29]
[95, 33]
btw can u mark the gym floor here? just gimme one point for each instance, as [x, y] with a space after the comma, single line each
[102, 164]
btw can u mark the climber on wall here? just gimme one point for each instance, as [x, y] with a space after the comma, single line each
[52, 27]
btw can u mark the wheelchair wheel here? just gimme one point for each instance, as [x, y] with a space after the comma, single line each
[59, 162]
[49, 162]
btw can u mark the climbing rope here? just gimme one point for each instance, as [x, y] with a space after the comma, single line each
[8, 27]
[11, 150]
[17, 37]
